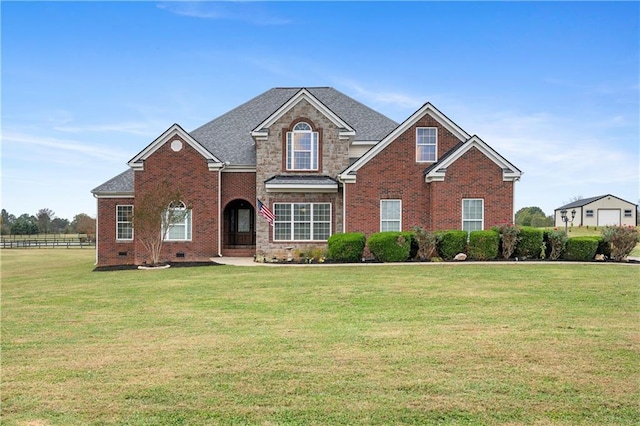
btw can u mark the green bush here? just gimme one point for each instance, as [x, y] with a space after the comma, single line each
[483, 245]
[390, 246]
[452, 243]
[530, 243]
[581, 248]
[346, 247]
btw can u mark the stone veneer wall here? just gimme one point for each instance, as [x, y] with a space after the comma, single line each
[271, 161]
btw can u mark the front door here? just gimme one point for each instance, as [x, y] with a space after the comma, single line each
[239, 221]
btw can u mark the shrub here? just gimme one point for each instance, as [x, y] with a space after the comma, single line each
[581, 248]
[529, 243]
[427, 242]
[483, 245]
[452, 243]
[508, 239]
[621, 240]
[556, 242]
[346, 247]
[390, 246]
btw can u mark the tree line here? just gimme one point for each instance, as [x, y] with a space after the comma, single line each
[45, 222]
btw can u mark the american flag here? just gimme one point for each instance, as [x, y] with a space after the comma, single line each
[266, 213]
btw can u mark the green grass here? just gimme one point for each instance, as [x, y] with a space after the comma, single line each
[451, 344]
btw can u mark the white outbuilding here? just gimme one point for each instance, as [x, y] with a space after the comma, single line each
[603, 210]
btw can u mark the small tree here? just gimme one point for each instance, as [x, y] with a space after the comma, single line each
[154, 213]
[621, 239]
[84, 224]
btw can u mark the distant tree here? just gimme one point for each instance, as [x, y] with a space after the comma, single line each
[44, 217]
[60, 226]
[84, 224]
[6, 221]
[154, 213]
[573, 199]
[533, 216]
[24, 225]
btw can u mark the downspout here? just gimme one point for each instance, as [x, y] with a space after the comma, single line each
[220, 220]
[97, 207]
[344, 205]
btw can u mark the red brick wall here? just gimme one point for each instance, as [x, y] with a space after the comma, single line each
[238, 185]
[472, 176]
[189, 171]
[395, 174]
[110, 251]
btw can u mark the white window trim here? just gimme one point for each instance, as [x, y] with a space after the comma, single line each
[473, 220]
[589, 213]
[292, 222]
[382, 220]
[118, 222]
[435, 145]
[187, 223]
[290, 150]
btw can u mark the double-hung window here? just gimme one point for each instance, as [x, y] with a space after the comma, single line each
[302, 148]
[124, 222]
[302, 221]
[177, 222]
[390, 215]
[472, 214]
[426, 144]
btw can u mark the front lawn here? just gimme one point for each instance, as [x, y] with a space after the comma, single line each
[513, 343]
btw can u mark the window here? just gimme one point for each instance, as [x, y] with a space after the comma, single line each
[390, 215]
[302, 221]
[426, 144]
[472, 215]
[178, 219]
[627, 213]
[124, 222]
[302, 148]
[589, 213]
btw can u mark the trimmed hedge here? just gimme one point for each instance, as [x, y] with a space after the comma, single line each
[581, 248]
[452, 243]
[390, 246]
[346, 247]
[484, 245]
[530, 243]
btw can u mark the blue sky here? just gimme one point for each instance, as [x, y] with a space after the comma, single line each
[553, 87]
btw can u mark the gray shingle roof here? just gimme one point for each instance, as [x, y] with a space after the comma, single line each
[123, 183]
[584, 201]
[228, 137]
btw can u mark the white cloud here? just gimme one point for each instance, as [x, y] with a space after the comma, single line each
[61, 146]
[249, 12]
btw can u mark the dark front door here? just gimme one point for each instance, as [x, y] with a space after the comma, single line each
[239, 221]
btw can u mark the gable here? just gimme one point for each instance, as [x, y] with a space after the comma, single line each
[427, 109]
[261, 130]
[438, 171]
[137, 162]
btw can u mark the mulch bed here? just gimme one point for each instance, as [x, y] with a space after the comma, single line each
[173, 265]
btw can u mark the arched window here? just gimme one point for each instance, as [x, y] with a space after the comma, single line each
[302, 148]
[177, 222]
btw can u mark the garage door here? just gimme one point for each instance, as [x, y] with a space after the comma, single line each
[608, 217]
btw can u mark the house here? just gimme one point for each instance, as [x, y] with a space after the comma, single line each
[602, 210]
[321, 163]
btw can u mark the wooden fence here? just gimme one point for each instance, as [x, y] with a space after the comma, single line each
[47, 241]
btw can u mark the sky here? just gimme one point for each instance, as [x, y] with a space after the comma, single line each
[551, 86]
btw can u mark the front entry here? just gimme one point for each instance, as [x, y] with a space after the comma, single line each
[239, 228]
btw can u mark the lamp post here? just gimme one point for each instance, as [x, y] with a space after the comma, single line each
[565, 219]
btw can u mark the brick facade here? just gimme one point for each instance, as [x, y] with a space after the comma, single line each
[217, 194]
[199, 186]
